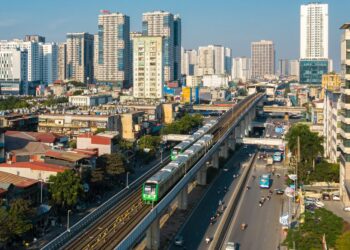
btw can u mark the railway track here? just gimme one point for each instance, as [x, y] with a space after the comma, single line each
[119, 222]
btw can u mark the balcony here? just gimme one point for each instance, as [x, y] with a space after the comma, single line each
[344, 149]
[344, 134]
[42, 124]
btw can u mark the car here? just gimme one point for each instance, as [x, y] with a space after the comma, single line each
[179, 240]
[230, 246]
[225, 169]
[336, 198]
[279, 191]
[347, 209]
[319, 204]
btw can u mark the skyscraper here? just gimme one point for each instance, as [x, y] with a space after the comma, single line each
[62, 61]
[113, 45]
[49, 62]
[148, 67]
[80, 57]
[241, 68]
[313, 42]
[34, 38]
[161, 23]
[189, 62]
[314, 31]
[283, 67]
[206, 61]
[263, 58]
[228, 61]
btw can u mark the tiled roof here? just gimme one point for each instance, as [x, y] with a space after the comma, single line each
[97, 139]
[34, 136]
[67, 156]
[16, 180]
[32, 148]
[36, 166]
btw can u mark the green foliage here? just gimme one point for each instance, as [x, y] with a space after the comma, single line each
[310, 146]
[78, 92]
[14, 221]
[100, 130]
[325, 171]
[184, 125]
[12, 102]
[343, 242]
[125, 145]
[77, 84]
[115, 163]
[309, 234]
[72, 144]
[149, 142]
[65, 188]
[51, 101]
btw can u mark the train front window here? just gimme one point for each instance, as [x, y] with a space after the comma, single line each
[150, 189]
[176, 151]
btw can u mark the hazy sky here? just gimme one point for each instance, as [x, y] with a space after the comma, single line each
[233, 23]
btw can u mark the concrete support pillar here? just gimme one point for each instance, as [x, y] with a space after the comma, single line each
[182, 200]
[153, 236]
[215, 160]
[232, 142]
[224, 150]
[202, 176]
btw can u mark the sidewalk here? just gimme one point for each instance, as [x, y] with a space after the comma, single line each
[337, 208]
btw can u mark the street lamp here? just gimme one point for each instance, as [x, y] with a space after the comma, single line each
[127, 179]
[68, 229]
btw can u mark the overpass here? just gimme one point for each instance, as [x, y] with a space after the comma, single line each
[283, 109]
[105, 228]
[204, 107]
[261, 141]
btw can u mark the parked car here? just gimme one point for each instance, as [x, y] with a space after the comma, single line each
[347, 209]
[319, 204]
[279, 191]
[230, 246]
[336, 198]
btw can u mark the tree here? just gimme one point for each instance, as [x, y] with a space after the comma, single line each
[66, 188]
[14, 221]
[77, 92]
[72, 144]
[115, 164]
[184, 125]
[149, 142]
[310, 146]
[12, 102]
[343, 242]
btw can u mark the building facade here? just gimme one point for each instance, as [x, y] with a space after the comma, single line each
[89, 100]
[294, 68]
[113, 49]
[345, 117]
[49, 62]
[79, 64]
[189, 62]
[241, 68]
[311, 70]
[263, 58]
[161, 23]
[148, 67]
[62, 62]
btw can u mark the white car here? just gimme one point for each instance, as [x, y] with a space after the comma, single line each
[230, 246]
[347, 209]
[319, 204]
[336, 198]
[179, 240]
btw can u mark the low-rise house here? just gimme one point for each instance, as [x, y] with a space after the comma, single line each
[90, 100]
[105, 143]
[27, 122]
[13, 187]
[33, 170]
[32, 151]
[70, 159]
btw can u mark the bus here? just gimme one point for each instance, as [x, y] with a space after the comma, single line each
[265, 181]
[277, 157]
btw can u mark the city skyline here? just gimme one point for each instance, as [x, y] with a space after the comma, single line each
[236, 18]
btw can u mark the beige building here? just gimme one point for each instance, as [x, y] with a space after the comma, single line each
[75, 124]
[90, 100]
[193, 81]
[112, 48]
[131, 125]
[330, 82]
[263, 58]
[345, 118]
[168, 112]
[148, 67]
[79, 64]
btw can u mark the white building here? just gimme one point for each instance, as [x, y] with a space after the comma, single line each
[215, 81]
[90, 100]
[62, 62]
[49, 62]
[294, 68]
[228, 61]
[193, 81]
[13, 70]
[314, 31]
[112, 49]
[263, 58]
[283, 67]
[189, 62]
[162, 23]
[241, 68]
[148, 67]
[206, 61]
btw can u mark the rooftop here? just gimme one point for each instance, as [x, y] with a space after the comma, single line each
[41, 166]
[16, 180]
[67, 156]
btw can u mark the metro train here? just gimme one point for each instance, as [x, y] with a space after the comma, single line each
[181, 147]
[162, 181]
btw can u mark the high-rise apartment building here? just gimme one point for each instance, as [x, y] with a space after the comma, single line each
[189, 62]
[148, 67]
[49, 62]
[228, 61]
[161, 23]
[62, 61]
[241, 68]
[313, 42]
[34, 38]
[206, 61]
[113, 49]
[345, 117]
[80, 57]
[13, 71]
[314, 31]
[283, 67]
[263, 58]
[294, 68]
[133, 35]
